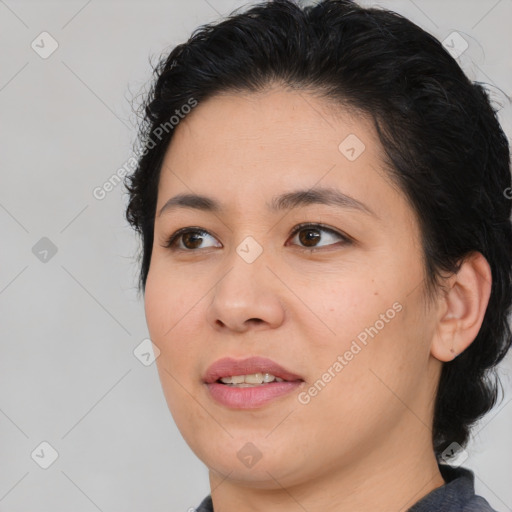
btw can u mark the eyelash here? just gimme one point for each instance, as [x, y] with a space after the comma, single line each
[175, 237]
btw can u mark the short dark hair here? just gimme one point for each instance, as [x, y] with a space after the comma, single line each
[443, 145]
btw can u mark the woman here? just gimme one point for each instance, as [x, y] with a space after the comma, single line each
[326, 270]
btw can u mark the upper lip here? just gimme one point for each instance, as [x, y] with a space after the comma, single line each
[228, 367]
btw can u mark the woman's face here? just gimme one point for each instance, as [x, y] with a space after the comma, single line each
[337, 303]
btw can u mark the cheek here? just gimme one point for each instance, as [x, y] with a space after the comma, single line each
[170, 316]
[359, 375]
[156, 297]
[352, 305]
[374, 323]
[169, 301]
[175, 312]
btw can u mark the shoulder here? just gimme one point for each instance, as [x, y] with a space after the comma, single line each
[206, 505]
[478, 504]
[457, 495]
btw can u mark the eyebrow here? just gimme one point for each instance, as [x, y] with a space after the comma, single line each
[287, 201]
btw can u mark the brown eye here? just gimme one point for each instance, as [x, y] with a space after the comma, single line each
[188, 239]
[191, 240]
[309, 236]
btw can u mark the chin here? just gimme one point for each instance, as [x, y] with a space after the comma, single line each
[268, 468]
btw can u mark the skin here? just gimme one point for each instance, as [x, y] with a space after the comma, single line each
[364, 441]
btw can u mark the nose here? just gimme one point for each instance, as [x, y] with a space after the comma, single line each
[246, 297]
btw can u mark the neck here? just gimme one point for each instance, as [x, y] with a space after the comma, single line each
[394, 479]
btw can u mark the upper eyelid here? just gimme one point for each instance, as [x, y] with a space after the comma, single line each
[323, 227]
[174, 238]
[305, 225]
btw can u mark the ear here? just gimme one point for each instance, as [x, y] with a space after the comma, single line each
[462, 308]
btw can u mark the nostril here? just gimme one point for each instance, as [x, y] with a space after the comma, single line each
[256, 321]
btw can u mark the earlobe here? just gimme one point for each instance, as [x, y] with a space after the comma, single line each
[462, 308]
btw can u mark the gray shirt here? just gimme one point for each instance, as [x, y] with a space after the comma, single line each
[457, 495]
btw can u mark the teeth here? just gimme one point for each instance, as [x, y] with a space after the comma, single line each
[253, 378]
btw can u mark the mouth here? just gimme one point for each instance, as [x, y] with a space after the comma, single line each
[249, 383]
[252, 371]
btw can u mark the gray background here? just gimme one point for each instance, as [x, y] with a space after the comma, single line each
[70, 321]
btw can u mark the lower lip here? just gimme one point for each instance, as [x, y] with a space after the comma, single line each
[251, 397]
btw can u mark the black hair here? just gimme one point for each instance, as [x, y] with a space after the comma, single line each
[443, 147]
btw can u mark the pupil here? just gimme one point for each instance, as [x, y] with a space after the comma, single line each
[195, 244]
[305, 239]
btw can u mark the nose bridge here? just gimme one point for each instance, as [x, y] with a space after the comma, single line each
[245, 291]
[247, 274]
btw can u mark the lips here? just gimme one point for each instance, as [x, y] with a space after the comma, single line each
[228, 367]
[252, 397]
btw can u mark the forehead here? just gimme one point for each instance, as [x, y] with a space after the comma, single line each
[287, 125]
[242, 147]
